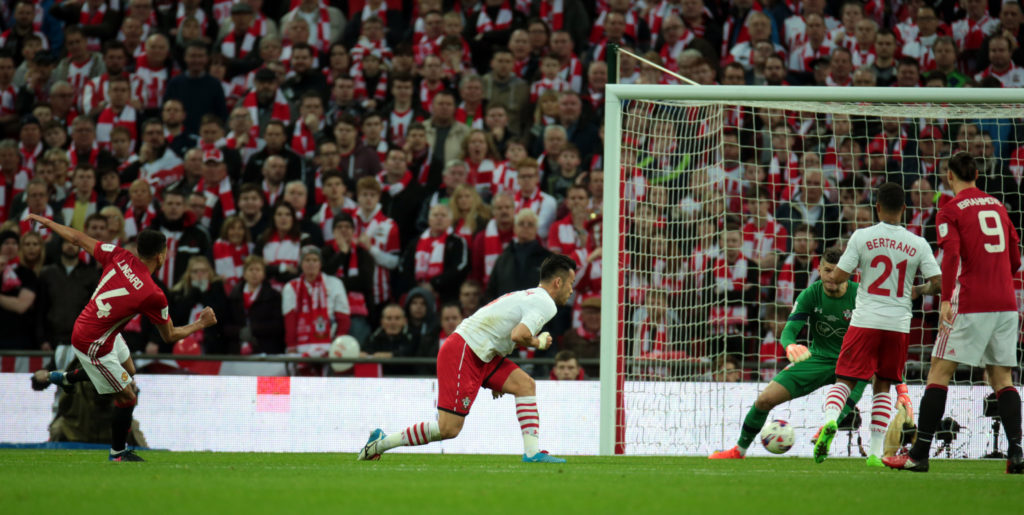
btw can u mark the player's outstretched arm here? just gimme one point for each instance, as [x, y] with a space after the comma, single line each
[68, 233]
[171, 334]
[933, 286]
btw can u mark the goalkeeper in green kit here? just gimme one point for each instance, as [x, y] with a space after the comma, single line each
[827, 307]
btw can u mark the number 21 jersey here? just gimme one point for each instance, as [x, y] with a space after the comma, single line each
[125, 290]
[889, 257]
[980, 253]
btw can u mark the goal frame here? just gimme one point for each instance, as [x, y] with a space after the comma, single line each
[612, 439]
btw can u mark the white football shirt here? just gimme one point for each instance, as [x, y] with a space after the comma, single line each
[489, 331]
[889, 257]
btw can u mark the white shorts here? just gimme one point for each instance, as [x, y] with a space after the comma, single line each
[106, 372]
[980, 339]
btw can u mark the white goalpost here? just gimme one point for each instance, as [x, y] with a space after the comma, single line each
[718, 201]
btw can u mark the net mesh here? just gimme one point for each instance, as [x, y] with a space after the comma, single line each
[725, 209]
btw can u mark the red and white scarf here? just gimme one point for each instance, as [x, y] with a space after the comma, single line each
[25, 224]
[94, 155]
[313, 312]
[221, 192]
[280, 110]
[272, 194]
[365, 46]
[493, 247]
[303, 139]
[228, 260]
[427, 93]
[9, 190]
[551, 13]
[381, 12]
[88, 17]
[359, 85]
[481, 175]
[533, 202]
[430, 255]
[108, 119]
[505, 178]
[79, 75]
[396, 188]
[29, 157]
[461, 116]
[653, 335]
[222, 10]
[10, 281]
[232, 49]
[281, 250]
[484, 24]
[150, 82]
[134, 224]
[356, 300]
[398, 125]
[7, 98]
[198, 14]
[68, 209]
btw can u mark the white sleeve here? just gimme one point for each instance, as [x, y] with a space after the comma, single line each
[851, 258]
[536, 314]
[287, 299]
[339, 297]
[929, 266]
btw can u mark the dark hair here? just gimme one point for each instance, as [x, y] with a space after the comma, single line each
[302, 45]
[94, 217]
[294, 233]
[332, 174]
[175, 192]
[250, 187]
[311, 94]
[114, 45]
[891, 197]
[276, 123]
[150, 243]
[556, 265]
[452, 305]
[347, 119]
[198, 44]
[832, 255]
[963, 166]
[402, 77]
[566, 355]
[908, 61]
[209, 118]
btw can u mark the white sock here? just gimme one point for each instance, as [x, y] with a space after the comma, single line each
[416, 434]
[835, 400]
[881, 413]
[529, 422]
[743, 450]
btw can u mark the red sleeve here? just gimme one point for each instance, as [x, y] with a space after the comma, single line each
[393, 244]
[476, 258]
[291, 321]
[1014, 248]
[344, 323]
[949, 240]
[155, 308]
[105, 252]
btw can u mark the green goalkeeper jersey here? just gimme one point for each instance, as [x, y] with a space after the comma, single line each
[829, 318]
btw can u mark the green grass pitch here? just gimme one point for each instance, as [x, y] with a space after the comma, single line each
[83, 482]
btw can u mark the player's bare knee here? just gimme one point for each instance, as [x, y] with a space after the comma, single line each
[764, 403]
[999, 377]
[526, 386]
[450, 429]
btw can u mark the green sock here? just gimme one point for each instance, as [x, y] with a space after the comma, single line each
[851, 400]
[752, 425]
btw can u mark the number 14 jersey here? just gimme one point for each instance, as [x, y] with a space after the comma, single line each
[125, 290]
[889, 257]
[981, 253]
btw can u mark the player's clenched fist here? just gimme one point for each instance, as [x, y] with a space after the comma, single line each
[207, 317]
[543, 341]
[797, 353]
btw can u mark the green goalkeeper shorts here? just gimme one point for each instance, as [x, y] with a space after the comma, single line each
[802, 378]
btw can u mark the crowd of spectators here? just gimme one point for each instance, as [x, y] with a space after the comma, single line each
[382, 168]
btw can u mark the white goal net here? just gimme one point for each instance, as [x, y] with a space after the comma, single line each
[725, 199]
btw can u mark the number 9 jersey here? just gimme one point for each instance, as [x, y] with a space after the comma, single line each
[981, 252]
[889, 257]
[125, 290]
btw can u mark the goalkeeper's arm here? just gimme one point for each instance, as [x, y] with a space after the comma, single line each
[794, 351]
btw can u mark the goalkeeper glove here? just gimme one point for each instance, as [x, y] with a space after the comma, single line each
[904, 399]
[797, 353]
[543, 341]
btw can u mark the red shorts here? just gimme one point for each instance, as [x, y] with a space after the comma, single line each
[872, 352]
[460, 374]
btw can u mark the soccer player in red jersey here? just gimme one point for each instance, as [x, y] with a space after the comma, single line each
[126, 289]
[981, 254]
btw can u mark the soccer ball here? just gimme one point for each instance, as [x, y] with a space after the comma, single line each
[777, 436]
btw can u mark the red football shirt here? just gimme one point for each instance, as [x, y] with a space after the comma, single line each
[125, 290]
[981, 253]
